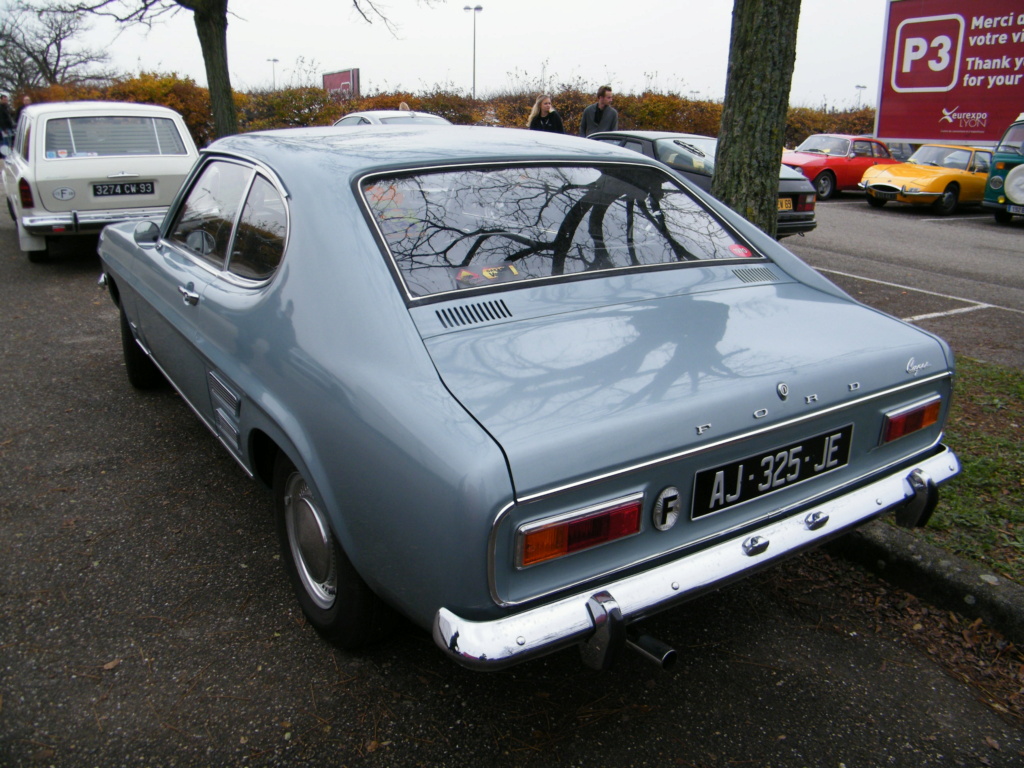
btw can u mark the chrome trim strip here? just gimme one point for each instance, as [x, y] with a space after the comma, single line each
[730, 440]
[538, 631]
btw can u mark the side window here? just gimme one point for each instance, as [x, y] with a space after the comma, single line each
[636, 146]
[24, 140]
[262, 231]
[355, 120]
[862, 148]
[881, 151]
[982, 162]
[204, 224]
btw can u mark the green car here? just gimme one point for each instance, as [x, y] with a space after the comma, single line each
[1004, 192]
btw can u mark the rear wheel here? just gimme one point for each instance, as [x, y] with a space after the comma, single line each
[142, 371]
[874, 202]
[947, 203]
[335, 599]
[825, 185]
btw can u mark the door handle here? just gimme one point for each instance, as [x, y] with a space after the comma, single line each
[188, 296]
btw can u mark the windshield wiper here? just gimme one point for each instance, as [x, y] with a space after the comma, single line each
[689, 148]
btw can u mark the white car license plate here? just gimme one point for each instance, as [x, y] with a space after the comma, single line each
[124, 188]
[763, 473]
[1018, 209]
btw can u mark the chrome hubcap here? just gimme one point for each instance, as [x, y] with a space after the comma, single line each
[311, 543]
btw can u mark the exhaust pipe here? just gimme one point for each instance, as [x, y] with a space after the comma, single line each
[654, 651]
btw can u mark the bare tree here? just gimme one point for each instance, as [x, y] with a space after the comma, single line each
[761, 57]
[211, 20]
[38, 48]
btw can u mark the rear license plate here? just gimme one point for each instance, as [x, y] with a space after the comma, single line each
[124, 188]
[1018, 209]
[763, 473]
[785, 204]
[884, 195]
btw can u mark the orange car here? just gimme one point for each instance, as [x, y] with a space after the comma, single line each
[940, 175]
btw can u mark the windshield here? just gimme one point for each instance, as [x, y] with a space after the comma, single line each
[943, 157]
[829, 145]
[473, 228]
[692, 154]
[1013, 139]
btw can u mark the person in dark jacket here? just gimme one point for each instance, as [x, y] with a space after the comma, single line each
[6, 122]
[543, 116]
[600, 116]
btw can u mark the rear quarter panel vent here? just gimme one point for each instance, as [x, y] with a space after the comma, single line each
[473, 314]
[756, 275]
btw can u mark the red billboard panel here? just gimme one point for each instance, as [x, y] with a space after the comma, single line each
[344, 83]
[953, 70]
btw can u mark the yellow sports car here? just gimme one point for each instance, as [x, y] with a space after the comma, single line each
[939, 175]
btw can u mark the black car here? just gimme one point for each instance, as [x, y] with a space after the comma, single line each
[692, 156]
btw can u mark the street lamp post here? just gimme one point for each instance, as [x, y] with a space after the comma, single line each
[273, 72]
[475, 10]
[860, 89]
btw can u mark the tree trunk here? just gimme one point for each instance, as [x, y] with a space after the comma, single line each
[211, 19]
[761, 57]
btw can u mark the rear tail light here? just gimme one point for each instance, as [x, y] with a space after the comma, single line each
[26, 194]
[909, 420]
[559, 536]
[805, 202]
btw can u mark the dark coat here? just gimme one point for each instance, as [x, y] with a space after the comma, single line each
[552, 123]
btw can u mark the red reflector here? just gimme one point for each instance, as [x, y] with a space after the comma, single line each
[25, 191]
[560, 538]
[907, 422]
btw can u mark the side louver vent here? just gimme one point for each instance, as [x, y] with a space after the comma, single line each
[755, 275]
[472, 314]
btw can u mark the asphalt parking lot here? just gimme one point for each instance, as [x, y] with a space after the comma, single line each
[145, 618]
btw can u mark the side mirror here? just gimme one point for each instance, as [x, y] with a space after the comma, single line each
[146, 234]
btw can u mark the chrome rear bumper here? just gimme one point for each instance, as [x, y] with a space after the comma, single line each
[583, 617]
[76, 222]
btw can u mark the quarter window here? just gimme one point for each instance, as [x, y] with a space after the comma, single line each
[259, 241]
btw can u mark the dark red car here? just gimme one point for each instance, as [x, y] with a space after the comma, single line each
[834, 161]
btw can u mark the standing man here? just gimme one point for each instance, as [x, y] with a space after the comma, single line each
[6, 122]
[600, 116]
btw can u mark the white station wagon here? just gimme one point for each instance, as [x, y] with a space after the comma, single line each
[77, 166]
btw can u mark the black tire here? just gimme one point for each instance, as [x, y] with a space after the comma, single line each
[10, 210]
[142, 371]
[825, 185]
[333, 596]
[948, 202]
[44, 256]
[874, 202]
[1003, 217]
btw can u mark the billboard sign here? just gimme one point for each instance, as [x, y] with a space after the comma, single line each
[952, 70]
[344, 83]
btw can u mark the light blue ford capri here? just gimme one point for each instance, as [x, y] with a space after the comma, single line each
[523, 389]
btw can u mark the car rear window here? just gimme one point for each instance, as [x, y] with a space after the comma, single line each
[477, 227]
[414, 119]
[107, 136]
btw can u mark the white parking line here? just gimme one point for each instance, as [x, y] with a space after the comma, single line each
[933, 315]
[974, 304]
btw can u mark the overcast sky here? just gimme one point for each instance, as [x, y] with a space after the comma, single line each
[667, 45]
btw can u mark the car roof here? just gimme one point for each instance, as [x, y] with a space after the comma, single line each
[365, 148]
[96, 107]
[955, 146]
[648, 135]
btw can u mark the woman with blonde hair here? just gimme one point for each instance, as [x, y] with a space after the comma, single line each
[543, 116]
